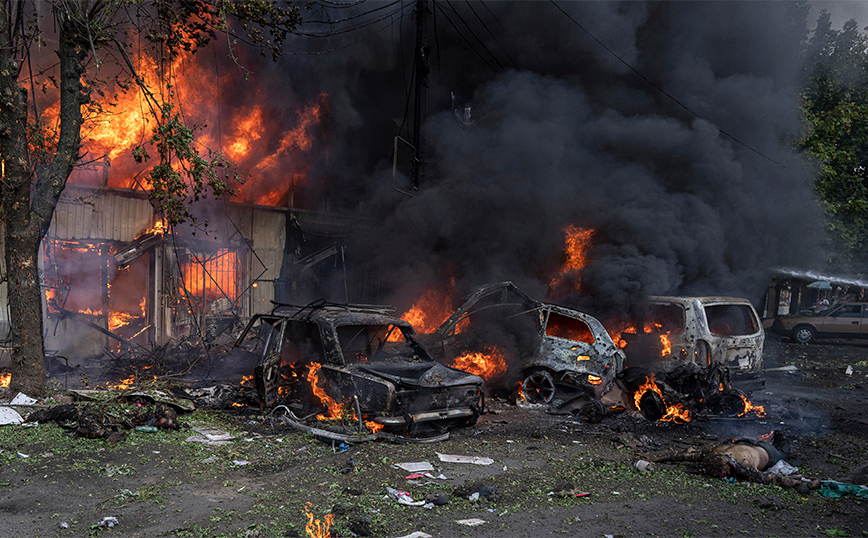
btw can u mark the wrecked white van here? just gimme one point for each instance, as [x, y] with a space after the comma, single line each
[703, 330]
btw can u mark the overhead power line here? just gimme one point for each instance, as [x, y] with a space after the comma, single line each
[661, 90]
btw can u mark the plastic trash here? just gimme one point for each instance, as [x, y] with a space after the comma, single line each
[470, 522]
[849, 370]
[782, 468]
[146, 429]
[403, 497]
[417, 534]
[834, 489]
[108, 522]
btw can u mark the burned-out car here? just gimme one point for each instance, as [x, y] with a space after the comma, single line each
[547, 349]
[706, 331]
[345, 359]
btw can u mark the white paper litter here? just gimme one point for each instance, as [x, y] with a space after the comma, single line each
[210, 437]
[415, 467]
[417, 534]
[470, 522]
[477, 460]
[9, 416]
[22, 399]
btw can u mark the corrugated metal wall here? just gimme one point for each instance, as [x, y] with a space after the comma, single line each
[106, 214]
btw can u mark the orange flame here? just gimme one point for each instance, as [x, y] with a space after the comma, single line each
[5, 379]
[667, 345]
[214, 278]
[430, 311]
[488, 365]
[674, 413]
[123, 384]
[576, 243]
[334, 408]
[316, 528]
[748, 407]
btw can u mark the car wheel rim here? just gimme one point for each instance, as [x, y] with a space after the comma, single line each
[538, 387]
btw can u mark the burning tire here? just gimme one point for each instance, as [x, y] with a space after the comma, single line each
[538, 387]
[652, 406]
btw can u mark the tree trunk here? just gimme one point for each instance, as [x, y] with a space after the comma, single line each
[27, 217]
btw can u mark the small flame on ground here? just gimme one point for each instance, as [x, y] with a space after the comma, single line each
[488, 364]
[316, 528]
[123, 384]
[5, 379]
[748, 407]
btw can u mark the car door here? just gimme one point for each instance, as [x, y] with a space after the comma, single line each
[845, 321]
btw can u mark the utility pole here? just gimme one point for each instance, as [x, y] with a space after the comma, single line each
[421, 90]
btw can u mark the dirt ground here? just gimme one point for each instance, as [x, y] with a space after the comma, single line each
[262, 480]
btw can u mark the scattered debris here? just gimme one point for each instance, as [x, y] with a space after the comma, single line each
[109, 522]
[835, 489]
[417, 534]
[403, 497]
[644, 466]
[9, 416]
[23, 399]
[210, 436]
[415, 467]
[476, 460]
[470, 522]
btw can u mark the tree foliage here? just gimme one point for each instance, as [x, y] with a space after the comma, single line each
[835, 105]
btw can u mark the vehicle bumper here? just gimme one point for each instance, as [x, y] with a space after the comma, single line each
[427, 416]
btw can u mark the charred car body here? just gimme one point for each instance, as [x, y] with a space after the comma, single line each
[706, 331]
[551, 349]
[356, 357]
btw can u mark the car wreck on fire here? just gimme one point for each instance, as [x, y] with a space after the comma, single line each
[544, 351]
[705, 331]
[356, 360]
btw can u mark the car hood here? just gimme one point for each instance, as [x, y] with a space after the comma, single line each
[424, 374]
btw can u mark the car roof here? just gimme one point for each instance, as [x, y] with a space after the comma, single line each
[706, 300]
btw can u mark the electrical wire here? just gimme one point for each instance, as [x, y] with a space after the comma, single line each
[469, 29]
[466, 41]
[470, 5]
[357, 16]
[661, 90]
[356, 28]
